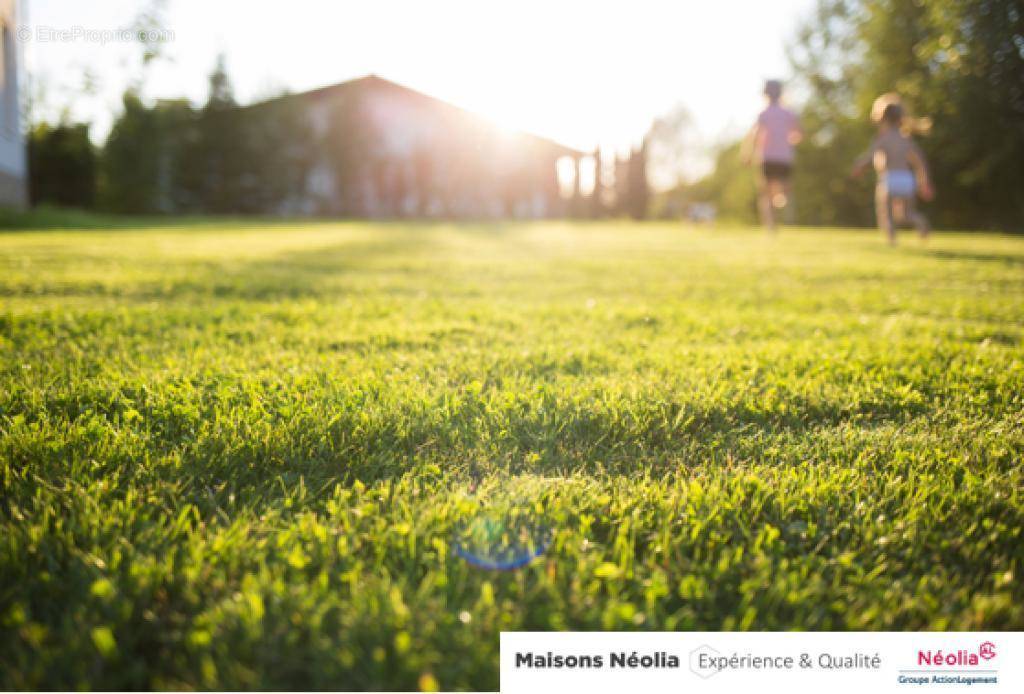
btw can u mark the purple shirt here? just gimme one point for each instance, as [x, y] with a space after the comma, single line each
[775, 126]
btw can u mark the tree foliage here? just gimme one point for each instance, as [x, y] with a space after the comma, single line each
[62, 165]
[730, 185]
[141, 167]
[171, 157]
[638, 191]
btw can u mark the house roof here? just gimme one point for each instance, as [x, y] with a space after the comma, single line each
[375, 81]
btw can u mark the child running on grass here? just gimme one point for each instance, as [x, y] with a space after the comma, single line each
[901, 169]
[770, 146]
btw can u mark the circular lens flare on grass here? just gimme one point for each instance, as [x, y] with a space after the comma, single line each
[505, 526]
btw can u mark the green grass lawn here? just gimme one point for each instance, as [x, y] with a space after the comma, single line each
[242, 455]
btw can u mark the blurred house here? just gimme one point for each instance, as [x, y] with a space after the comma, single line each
[383, 150]
[13, 169]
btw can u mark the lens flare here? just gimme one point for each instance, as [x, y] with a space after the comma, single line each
[505, 526]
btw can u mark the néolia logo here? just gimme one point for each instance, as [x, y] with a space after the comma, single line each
[958, 658]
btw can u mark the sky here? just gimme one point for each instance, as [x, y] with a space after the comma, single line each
[585, 74]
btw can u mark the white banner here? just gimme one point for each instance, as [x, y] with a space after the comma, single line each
[714, 661]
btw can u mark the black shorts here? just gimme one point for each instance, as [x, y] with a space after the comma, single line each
[776, 170]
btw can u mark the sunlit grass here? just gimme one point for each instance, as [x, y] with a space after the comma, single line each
[237, 456]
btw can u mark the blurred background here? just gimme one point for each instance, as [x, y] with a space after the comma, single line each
[472, 110]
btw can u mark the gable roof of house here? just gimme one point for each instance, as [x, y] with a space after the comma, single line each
[376, 82]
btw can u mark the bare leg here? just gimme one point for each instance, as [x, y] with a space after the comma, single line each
[883, 215]
[787, 194]
[898, 210]
[764, 203]
[916, 218]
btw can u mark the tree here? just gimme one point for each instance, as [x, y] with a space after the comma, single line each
[141, 161]
[597, 203]
[222, 173]
[826, 57]
[730, 186]
[280, 152]
[171, 158]
[638, 192]
[62, 165]
[672, 148]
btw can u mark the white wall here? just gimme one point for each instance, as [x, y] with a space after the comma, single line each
[12, 146]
